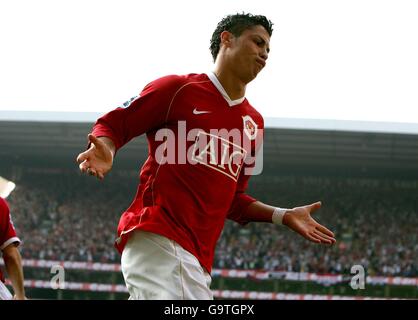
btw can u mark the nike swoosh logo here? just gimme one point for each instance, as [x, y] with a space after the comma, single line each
[195, 111]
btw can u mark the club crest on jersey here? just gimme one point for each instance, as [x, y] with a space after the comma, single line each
[250, 127]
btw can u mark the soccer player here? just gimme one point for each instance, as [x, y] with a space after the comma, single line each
[11, 256]
[202, 133]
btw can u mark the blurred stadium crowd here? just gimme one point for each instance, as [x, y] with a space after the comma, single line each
[61, 215]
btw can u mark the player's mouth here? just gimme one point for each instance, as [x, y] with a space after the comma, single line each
[261, 62]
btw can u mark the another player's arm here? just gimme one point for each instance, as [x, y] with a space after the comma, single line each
[13, 263]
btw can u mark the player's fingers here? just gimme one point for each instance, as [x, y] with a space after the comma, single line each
[81, 157]
[324, 237]
[312, 237]
[325, 230]
[84, 166]
[100, 175]
[91, 172]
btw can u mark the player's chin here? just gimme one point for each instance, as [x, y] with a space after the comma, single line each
[252, 76]
[258, 69]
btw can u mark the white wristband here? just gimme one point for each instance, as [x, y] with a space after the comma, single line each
[278, 214]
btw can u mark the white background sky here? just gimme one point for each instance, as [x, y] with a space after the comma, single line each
[347, 60]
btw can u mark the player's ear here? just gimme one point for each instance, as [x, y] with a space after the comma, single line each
[226, 38]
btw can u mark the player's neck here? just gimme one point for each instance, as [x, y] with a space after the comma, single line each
[233, 86]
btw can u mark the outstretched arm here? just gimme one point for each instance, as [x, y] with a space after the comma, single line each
[98, 159]
[13, 262]
[147, 112]
[298, 219]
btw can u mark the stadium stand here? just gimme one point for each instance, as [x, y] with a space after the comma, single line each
[64, 216]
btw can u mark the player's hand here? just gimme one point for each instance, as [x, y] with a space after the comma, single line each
[97, 160]
[299, 220]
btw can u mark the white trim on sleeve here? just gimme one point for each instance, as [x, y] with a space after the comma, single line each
[10, 241]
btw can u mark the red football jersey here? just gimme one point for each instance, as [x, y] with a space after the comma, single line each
[7, 230]
[196, 172]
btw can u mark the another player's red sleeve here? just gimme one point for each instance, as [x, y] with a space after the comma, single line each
[145, 113]
[7, 231]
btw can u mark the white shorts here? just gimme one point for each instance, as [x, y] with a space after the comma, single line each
[4, 292]
[157, 268]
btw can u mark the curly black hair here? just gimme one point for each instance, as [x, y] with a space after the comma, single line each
[236, 24]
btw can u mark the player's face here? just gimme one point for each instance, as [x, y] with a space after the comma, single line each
[249, 52]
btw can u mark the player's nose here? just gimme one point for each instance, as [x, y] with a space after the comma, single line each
[264, 54]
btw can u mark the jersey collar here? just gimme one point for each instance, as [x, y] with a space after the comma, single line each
[221, 89]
